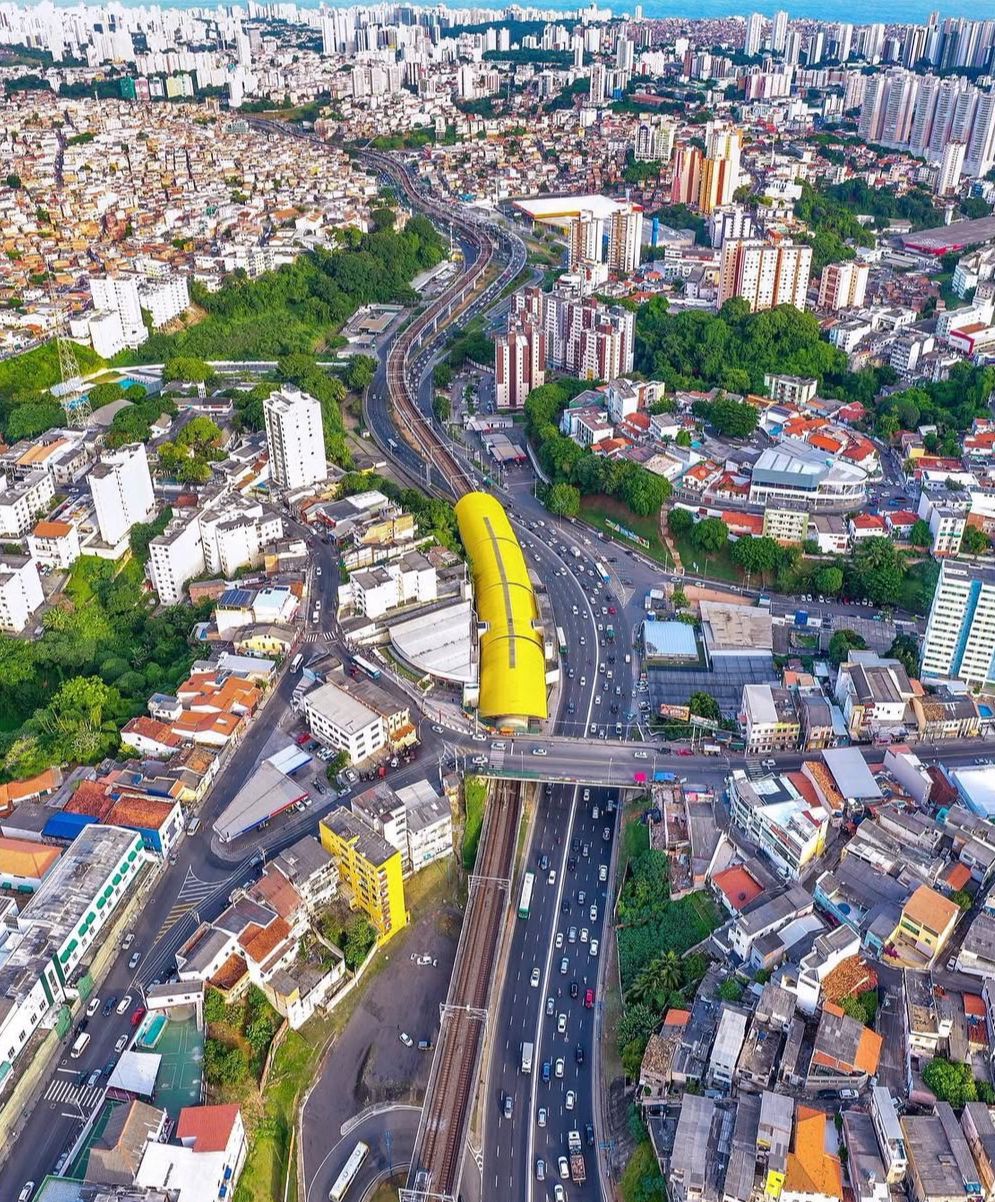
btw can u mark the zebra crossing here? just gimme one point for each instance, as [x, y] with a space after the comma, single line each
[66, 1092]
[192, 892]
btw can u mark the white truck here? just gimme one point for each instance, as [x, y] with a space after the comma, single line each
[578, 1169]
[526, 1057]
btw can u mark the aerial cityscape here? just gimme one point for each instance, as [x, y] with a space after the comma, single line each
[497, 603]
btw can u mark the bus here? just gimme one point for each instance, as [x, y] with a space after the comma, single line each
[601, 571]
[79, 1047]
[364, 665]
[295, 663]
[562, 639]
[349, 1171]
[525, 903]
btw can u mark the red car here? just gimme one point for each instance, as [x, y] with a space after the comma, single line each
[302, 738]
[589, 998]
[137, 1015]
[612, 610]
[683, 751]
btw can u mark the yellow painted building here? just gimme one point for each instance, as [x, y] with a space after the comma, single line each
[370, 868]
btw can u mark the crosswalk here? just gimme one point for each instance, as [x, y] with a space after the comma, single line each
[192, 892]
[316, 636]
[68, 1093]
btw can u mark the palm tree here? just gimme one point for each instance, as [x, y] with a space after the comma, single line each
[670, 971]
[659, 978]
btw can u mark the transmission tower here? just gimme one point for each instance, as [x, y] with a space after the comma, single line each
[74, 401]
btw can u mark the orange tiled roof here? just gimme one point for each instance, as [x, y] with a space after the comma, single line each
[52, 530]
[152, 728]
[930, 909]
[32, 786]
[24, 858]
[90, 798]
[139, 811]
[973, 1005]
[737, 885]
[263, 940]
[208, 1128]
[677, 1018]
[810, 1169]
[278, 892]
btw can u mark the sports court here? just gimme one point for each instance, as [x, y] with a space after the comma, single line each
[181, 1047]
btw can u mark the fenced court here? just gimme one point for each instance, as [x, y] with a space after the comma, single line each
[181, 1047]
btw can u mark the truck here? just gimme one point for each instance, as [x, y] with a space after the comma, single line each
[664, 776]
[711, 749]
[526, 1057]
[578, 1169]
[610, 633]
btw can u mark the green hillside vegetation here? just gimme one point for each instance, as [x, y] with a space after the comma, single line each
[26, 406]
[299, 307]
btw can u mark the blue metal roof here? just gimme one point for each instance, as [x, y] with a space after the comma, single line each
[66, 826]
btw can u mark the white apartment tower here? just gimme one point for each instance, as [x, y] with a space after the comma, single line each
[753, 38]
[121, 487]
[951, 169]
[843, 286]
[779, 33]
[960, 633]
[119, 294]
[296, 438]
[764, 274]
[519, 363]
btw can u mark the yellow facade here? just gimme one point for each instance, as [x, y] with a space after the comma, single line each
[376, 883]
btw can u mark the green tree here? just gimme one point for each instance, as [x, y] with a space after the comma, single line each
[974, 541]
[710, 535]
[905, 648]
[185, 369]
[360, 372]
[705, 706]
[829, 581]
[563, 500]
[950, 1081]
[842, 642]
[679, 521]
[730, 990]
[728, 418]
[962, 898]
[755, 554]
[919, 535]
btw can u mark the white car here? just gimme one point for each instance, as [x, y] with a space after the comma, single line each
[640, 755]
[594, 912]
[127, 941]
[559, 940]
[551, 879]
[594, 947]
[570, 1100]
[534, 979]
[561, 1024]
[406, 1039]
[93, 1007]
[585, 934]
[29, 1189]
[603, 872]
[549, 1005]
[558, 1067]
[541, 1116]
[539, 751]
[559, 1193]
[564, 1168]
[121, 1044]
[124, 1004]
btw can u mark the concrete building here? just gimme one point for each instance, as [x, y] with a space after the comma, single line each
[843, 286]
[119, 295]
[890, 1136]
[345, 723]
[812, 1174]
[55, 544]
[164, 298]
[960, 631]
[794, 471]
[121, 486]
[720, 166]
[519, 364]
[20, 592]
[940, 1165]
[58, 928]
[376, 591]
[295, 437]
[176, 556]
[654, 140]
[770, 719]
[369, 867]
[625, 238]
[789, 829]
[23, 502]
[764, 274]
[727, 1047]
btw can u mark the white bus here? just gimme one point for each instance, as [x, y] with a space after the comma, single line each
[349, 1172]
[295, 663]
[79, 1047]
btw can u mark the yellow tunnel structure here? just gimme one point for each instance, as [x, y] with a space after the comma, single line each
[512, 660]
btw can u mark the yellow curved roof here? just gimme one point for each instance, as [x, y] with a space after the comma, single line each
[512, 662]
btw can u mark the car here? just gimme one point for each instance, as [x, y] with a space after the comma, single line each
[640, 755]
[589, 998]
[93, 1078]
[603, 872]
[439, 730]
[541, 1116]
[593, 912]
[563, 1167]
[583, 681]
[540, 1169]
[539, 751]
[558, 1067]
[570, 1100]
[584, 934]
[124, 1003]
[508, 1105]
[565, 906]
[498, 746]
[92, 1007]
[424, 1045]
[571, 867]
[581, 897]
[579, 1053]
[317, 570]
[109, 1005]
[559, 940]
[534, 979]
[549, 1005]
[572, 935]
[137, 1015]
[193, 826]
[121, 1044]
[606, 834]
[479, 738]
[551, 879]
[559, 1193]
[585, 850]
[849, 1095]
[593, 947]
[564, 965]
[547, 1071]
[406, 1039]
[589, 1134]
[574, 989]
[136, 958]
[108, 1068]
[26, 1191]
[127, 941]
[561, 1024]
[543, 862]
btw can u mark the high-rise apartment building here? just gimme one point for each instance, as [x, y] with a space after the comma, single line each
[779, 31]
[843, 286]
[625, 238]
[720, 167]
[585, 337]
[960, 632]
[296, 438]
[519, 363]
[121, 487]
[753, 37]
[765, 274]
[119, 294]
[951, 168]
[585, 238]
[597, 89]
[686, 182]
[654, 140]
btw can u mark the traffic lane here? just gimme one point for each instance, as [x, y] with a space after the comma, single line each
[551, 1141]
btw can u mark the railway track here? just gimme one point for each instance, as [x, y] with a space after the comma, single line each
[437, 1160]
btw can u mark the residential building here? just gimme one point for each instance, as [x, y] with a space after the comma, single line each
[55, 544]
[164, 298]
[890, 1136]
[812, 1173]
[873, 695]
[119, 295]
[20, 592]
[121, 486]
[787, 526]
[768, 916]
[765, 274]
[791, 390]
[770, 719]
[845, 1054]
[960, 631]
[23, 502]
[940, 1165]
[843, 286]
[654, 140]
[59, 928]
[176, 556]
[720, 167]
[295, 437]
[344, 722]
[625, 238]
[774, 1139]
[727, 1046]
[375, 591]
[235, 532]
[693, 1154]
[205, 1161]
[789, 828]
[927, 921]
[519, 363]
[369, 867]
